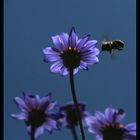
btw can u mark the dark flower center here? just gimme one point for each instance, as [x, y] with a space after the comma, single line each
[36, 117]
[72, 118]
[113, 132]
[71, 57]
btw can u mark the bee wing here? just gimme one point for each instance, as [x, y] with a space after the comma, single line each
[106, 36]
[119, 43]
[113, 55]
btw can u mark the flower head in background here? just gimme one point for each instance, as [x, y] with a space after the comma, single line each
[71, 53]
[36, 113]
[108, 126]
[70, 118]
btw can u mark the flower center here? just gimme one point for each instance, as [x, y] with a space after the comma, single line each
[72, 117]
[113, 132]
[36, 117]
[71, 57]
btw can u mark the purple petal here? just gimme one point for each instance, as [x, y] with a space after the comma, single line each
[31, 100]
[21, 116]
[52, 105]
[58, 42]
[82, 42]
[119, 117]
[98, 137]
[50, 125]
[93, 123]
[73, 38]
[29, 129]
[90, 53]
[101, 118]
[75, 70]
[64, 71]
[91, 60]
[56, 67]
[39, 131]
[90, 44]
[21, 104]
[131, 127]
[64, 37]
[45, 101]
[130, 136]
[83, 65]
[51, 55]
[109, 113]
[49, 51]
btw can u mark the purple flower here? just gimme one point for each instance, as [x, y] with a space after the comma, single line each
[71, 53]
[36, 113]
[108, 126]
[69, 114]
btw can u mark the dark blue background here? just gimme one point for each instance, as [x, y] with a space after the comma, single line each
[29, 25]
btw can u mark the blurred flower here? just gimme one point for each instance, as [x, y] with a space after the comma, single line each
[70, 118]
[36, 113]
[108, 126]
[71, 53]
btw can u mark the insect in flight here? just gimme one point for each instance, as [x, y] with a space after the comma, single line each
[112, 45]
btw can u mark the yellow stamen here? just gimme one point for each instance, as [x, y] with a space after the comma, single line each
[121, 126]
[70, 48]
[61, 52]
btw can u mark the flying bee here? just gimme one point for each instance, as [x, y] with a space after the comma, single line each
[112, 45]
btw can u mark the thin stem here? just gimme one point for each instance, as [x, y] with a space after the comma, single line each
[32, 133]
[74, 132]
[76, 103]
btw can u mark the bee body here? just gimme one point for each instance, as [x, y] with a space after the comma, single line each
[112, 45]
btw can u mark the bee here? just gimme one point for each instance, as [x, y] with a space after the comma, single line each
[112, 45]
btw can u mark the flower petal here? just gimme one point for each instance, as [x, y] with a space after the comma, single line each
[51, 55]
[56, 67]
[49, 50]
[21, 104]
[101, 118]
[73, 38]
[21, 116]
[44, 102]
[58, 42]
[65, 37]
[90, 44]
[119, 117]
[91, 52]
[75, 70]
[131, 127]
[50, 125]
[64, 71]
[99, 137]
[31, 100]
[109, 112]
[91, 60]
[39, 131]
[82, 42]
[52, 105]
[83, 65]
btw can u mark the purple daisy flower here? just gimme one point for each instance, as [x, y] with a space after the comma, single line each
[108, 126]
[69, 114]
[71, 53]
[36, 113]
